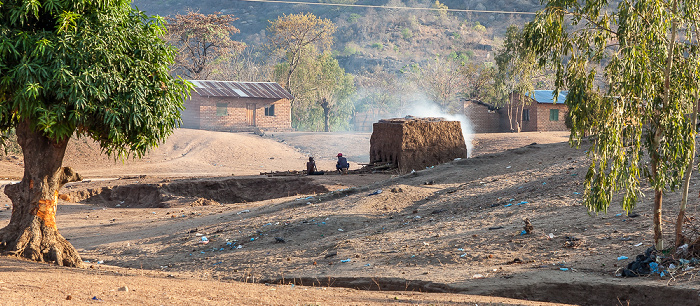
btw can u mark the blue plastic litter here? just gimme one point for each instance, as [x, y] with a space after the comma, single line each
[522, 202]
[523, 232]
[378, 191]
[94, 298]
[618, 215]
[654, 267]
[346, 260]
[252, 239]
[576, 193]
[508, 205]
[564, 269]
[622, 258]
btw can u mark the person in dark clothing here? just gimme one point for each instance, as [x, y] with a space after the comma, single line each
[311, 167]
[342, 165]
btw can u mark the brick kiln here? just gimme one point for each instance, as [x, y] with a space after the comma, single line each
[415, 143]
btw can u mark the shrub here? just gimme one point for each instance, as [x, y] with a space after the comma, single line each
[354, 17]
[379, 46]
[406, 33]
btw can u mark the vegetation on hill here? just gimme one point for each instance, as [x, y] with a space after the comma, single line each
[414, 52]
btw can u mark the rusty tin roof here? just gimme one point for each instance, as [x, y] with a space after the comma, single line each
[265, 90]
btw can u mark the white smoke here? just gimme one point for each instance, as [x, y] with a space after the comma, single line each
[425, 108]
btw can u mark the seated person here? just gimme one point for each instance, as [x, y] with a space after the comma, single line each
[342, 165]
[311, 167]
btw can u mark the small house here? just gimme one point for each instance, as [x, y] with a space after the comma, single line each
[540, 112]
[238, 107]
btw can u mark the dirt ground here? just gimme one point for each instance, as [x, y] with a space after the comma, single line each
[450, 234]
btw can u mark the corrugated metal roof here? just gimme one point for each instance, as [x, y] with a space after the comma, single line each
[265, 90]
[547, 96]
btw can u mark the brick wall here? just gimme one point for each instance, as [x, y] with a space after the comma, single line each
[201, 112]
[496, 121]
[539, 117]
[483, 120]
[543, 122]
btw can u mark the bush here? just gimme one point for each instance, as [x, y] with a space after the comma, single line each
[479, 28]
[350, 49]
[406, 33]
[354, 17]
[379, 46]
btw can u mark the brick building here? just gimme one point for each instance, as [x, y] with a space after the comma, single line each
[539, 113]
[485, 118]
[238, 107]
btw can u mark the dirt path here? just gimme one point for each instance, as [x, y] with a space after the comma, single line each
[454, 228]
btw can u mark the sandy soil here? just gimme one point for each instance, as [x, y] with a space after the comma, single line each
[453, 229]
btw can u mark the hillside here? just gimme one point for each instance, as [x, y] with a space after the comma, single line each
[367, 37]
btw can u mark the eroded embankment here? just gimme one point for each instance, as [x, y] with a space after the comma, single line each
[577, 293]
[196, 192]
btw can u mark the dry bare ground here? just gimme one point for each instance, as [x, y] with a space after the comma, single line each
[452, 231]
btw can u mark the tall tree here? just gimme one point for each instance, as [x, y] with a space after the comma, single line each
[93, 68]
[333, 90]
[203, 42]
[299, 36]
[322, 94]
[649, 56]
[515, 77]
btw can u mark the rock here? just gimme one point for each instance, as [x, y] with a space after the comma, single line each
[125, 289]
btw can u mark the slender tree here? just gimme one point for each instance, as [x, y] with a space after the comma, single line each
[299, 36]
[647, 50]
[92, 68]
[203, 41]
[516, 75]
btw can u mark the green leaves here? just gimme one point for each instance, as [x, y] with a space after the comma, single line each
[614, 61]
[98, 68]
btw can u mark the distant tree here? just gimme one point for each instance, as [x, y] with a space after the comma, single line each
[299, 36]
[441, 81]
[649, 55]
[378, 91]
[480, 80]
[247, 66]
[203, 41]
[334, 88]
[93, 68]
[515, 77]
[441, 9]
[322, 91]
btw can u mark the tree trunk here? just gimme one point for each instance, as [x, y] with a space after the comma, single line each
[326, 115]
[658, 191]
[32, 231]
[686, 180]
[510, 111]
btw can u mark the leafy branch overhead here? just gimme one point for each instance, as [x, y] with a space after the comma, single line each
[650, 62]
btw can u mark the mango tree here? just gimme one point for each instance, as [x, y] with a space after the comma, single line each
[94, 69]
